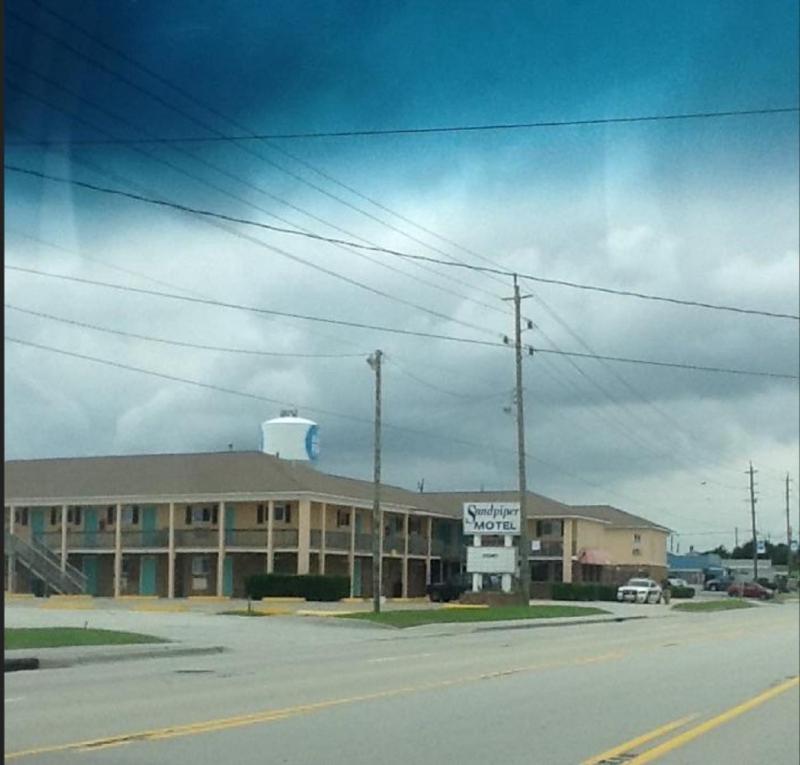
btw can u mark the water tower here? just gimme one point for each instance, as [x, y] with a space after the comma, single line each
[290, 437]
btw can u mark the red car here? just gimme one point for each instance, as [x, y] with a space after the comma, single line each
[750, 590]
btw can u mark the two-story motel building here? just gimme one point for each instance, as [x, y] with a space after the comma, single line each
[178, 525]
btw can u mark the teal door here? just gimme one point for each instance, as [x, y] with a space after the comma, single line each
[147, 575]
[357, 578]
[149, 536]
[37, 526]
[91, 525]
[227, 576]
[230, 524]
[90, 571]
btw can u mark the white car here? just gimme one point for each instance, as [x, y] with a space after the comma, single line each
[640, 591]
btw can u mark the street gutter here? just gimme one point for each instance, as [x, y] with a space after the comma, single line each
[70, 656]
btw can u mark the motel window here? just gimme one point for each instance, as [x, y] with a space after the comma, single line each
[53, 516]
[215, 514]
[110, 515]
[200, 514]
[637, 551]
[74, 516]
[343, 518]
[200, 565]
[261, 514]
[283, 512]
[637, 538]
[21, 516]
[130, 516]
[415, 525]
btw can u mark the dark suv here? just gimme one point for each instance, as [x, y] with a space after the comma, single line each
[718, 584]
[444, 592]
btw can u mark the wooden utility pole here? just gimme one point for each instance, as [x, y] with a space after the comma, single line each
[377, 520]
[524, 552]
[788, 528]
[753, 518]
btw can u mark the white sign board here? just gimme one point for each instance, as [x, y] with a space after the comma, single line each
[491, 560]
[536, 545]
[793, 546]
[761, 547]
[491, 518]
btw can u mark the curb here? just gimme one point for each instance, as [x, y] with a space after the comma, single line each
[55, 662]
[16, 665]
[559, 623]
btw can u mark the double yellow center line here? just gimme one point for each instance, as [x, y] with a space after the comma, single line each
[629, 747]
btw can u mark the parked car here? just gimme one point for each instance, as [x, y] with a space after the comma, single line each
[750, 590]
[677, 582]
[452, 589]
[718, 584]
[640, 591]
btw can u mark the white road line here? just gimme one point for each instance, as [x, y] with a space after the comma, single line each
[398, 658]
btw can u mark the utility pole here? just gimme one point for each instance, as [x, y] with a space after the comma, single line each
[377, 516]
[735, 537]
[788, 528]
[753, 518]
[524, 552]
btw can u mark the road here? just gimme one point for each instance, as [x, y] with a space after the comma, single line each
[684, 688]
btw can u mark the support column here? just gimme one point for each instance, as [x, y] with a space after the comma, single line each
[323, 527]
[404, 583]
[566, 555]
[171, 552]
[351, 558]
[118, 550]
[477, 579]
[64, 510]
[270, 543]
[12, 563]
[303, 536]
[505, 581]
[221, 551]
[428, 552]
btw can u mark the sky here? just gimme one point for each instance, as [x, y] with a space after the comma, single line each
[699, 209]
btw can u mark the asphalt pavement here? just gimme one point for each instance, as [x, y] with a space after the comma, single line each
[687, 688]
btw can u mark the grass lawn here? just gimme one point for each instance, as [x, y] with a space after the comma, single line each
[714, 605]
[58, 637]
[415, 618]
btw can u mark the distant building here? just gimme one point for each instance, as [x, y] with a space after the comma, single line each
[695, 568]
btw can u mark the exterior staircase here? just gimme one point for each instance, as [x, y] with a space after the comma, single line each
[46, 565]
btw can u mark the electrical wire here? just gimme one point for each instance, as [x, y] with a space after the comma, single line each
[492, 127]
[183, 344]
[258, 224]
[393, 330]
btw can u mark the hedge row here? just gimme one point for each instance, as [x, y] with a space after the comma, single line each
[583, 591]
[682, 592]
[308, 586]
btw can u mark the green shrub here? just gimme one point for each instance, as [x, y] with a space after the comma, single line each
[583, 591]
[308, 586]
[682, 592]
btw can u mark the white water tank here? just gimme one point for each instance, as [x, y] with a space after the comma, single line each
[290, 437]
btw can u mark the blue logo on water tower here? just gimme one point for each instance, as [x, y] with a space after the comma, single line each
[312, 442]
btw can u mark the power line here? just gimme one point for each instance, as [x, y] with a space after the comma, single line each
[295, 258]
[169, 104]
[183, 344]
[263, 311]
[422, 130]
[393, 330]
[319, 237]
[674, 365]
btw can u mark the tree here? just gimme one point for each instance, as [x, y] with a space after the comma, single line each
[720, 550]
